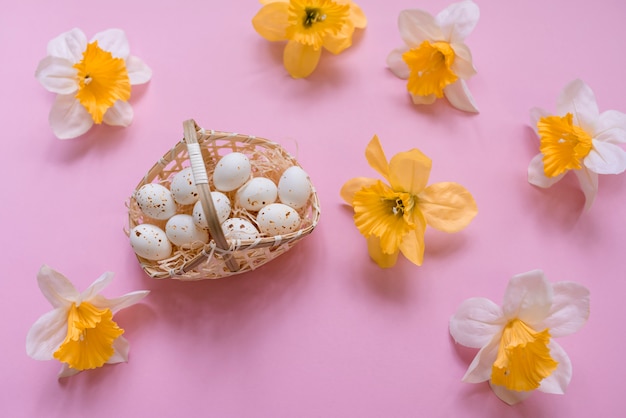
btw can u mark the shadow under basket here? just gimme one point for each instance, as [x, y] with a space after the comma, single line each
[201, 150]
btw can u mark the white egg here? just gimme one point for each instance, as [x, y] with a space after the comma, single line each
[150, 242]
[231, 171]
[294, 187]
[183, 187]
[256, 193]
[181, 229]
[155, 201]
[238, 228]
[278, 219]
[222, 207]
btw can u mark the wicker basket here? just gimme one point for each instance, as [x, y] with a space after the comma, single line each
[219, 257]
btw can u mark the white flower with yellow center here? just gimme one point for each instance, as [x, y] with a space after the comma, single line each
[79, 331]
[517, 353]
[435, 60]
[580, 139]
[92, 79]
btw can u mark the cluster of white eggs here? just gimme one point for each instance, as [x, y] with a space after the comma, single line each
[273, 207]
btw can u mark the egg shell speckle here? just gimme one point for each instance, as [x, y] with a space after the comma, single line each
[155, 201]
[278, 219]
[222, 207]
[231, 171]
[238, 228]
[183, 187]
[181, 229]
[150, 242]
[256, 193]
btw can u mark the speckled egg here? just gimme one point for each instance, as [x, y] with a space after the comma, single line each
[238, 228]
[155, 201]
[231, 172]
[181, 230]
[183, 187]
[278, 219]
[150, 242]
[256, 193]
[222, 207]
[294, 187]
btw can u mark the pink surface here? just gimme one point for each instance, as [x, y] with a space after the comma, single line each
[321, 331]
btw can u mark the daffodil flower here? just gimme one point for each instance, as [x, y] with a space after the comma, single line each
[435, 59]
[517, 353]
[308, 26]
[393, 217]
[79, 331]
[579, 139]
[92, 80]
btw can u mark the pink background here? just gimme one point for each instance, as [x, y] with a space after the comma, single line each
[320, 331]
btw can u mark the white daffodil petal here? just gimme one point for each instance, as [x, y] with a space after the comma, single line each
[460, 97]
[114, 41]
[569, 310]
[426, 100]
[605, 158]
[397, 65]
[121, 348]
[510, 397]
[417, 26]
[67, 371]
[138, 71]
[528, 297]
[589, 184]
[578, 99]
[97, 286]
[476, 322]
[69, 45]
[462, 65]
[458, 20]
[47, 334]
[480, 368]
[611, 136]
[559, 379]
[537, 175]
[55, 287]
[537, 113]
[57, 75]
[611, 127]
[68, 118]
[120, 114]
[119, 303]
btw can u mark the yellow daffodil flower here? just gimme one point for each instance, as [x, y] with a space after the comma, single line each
[579, 139]
[308, 26]
[435, 60]
[393, 217]
[92, 80]
[79, 331]
[517, 353]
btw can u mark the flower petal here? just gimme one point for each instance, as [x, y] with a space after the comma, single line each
[352, 186]
[119, 303]
[537, 113]
[376, 253]
[578, 99]
[412, 245]
[417, 26]
[447, 206]
[458, 20]
[357, 17]
[611, 127]
[121, 348]
[605, 158]
[537, 175]
[460, 97]
[423, 100]
[55, 287]
[67, 371]
[569, 310]
[559, 379]
[335, 44]
[476, 322]
[114, 41]
[397, 65]
[300, 60]
[480, 368]
[589, 184]
[271, 21]
[47, 334]
[510, 397]
[138, 71]
[409, 171]
[68, 118]
[375, 156]
[57, 75]
[97, 286]
[462, 66]
[69, 45]
[528, 297]
[120, 114]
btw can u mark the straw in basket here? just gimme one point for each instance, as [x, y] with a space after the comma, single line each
[201, 150]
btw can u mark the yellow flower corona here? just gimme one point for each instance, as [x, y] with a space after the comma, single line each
[310, 21]
[563, 144]
[430, 68]
[90, 336]
[102, 81]
[523, 359]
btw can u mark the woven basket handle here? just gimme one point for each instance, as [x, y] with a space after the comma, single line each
[202, 183]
